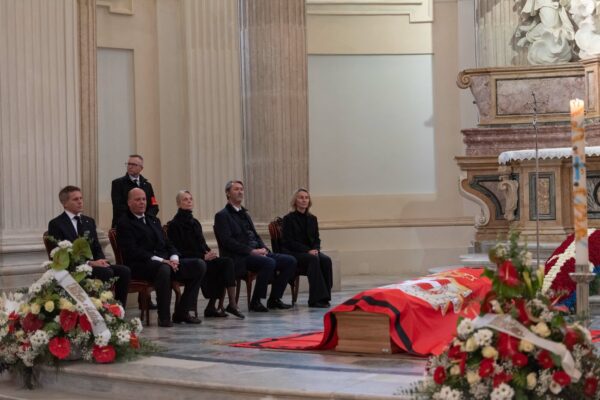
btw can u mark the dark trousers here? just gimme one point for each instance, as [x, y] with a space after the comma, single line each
[319, 273]
[220, 274]
[123, 275]
[190, 273]
[279, 268]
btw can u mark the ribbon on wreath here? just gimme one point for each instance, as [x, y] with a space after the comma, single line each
[66, 281]
[506, 324]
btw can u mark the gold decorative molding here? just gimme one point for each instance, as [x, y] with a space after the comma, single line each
[417, 10]
[124, 7]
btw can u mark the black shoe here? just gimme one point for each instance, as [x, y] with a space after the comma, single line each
[319, 304]
[188, 319]
[235, 311]
[213, 312]
[278, 304]
[165, 323]
[258, 307]
[152, 306]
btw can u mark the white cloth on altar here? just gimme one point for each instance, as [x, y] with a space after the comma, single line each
[557, 152]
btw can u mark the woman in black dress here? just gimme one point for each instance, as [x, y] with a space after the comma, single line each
[301, 239]
[185, 232]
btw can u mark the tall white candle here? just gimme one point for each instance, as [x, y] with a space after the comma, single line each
[580, 221]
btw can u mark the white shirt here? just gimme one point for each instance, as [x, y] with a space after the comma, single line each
[174, 257]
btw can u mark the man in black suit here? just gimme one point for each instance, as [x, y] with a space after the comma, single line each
[71, 224]
[132, 179]
[153, 258]
[238, 239]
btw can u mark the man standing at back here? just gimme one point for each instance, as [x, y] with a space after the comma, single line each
[72, 224]
[239, 240]
[132, 179]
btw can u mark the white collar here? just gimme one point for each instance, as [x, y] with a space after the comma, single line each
[71, 215]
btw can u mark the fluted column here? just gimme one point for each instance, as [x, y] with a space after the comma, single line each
[213, 94]
[274, 78]
[496, 23]
[39, 124]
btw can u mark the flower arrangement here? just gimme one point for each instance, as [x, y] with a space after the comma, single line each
[520, 347]
[65, 315]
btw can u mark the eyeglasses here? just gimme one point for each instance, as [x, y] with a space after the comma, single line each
[130, 164]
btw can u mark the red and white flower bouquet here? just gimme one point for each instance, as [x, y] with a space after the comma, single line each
[520, 347]
[65, 315]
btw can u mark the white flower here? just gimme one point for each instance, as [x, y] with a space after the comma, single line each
[471, 345]
[447, 393]
[65, 304]
[101, 340]
[483, 337]
[473, 377]
[106, 295]
[53, 251]
[123, 337]
[489, 352]
[465, 328]
[49, 306]
[64, 244]
[546, 315]
[527, 258]
[455, 370]
[35, 308]
[57, 319]
[84, 268]
[526, 346]
[137, 326]
[479, 391]
[531, 380]
[541, 329]
[108, 318]
[35, 288]
[46, 264]
[38, 339]
[502, 392]
[555, 387]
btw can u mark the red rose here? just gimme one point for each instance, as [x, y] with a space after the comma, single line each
[590, 386]
[486, 367]
[114, 309]
[572, 337]
[134, 341]
[31, 323]
[522, 310]
[507, 273]
[455, 353]
[507, 345]
[501, 378]
[84, 323]
[68, 320]
[60, 347]
[545, 360]
[13, 321]
[439, 375]
[562, 378]
[104, 354]
[520, 360]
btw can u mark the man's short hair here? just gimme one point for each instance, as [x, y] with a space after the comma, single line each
[136, 156]
[229, 184]
[65, 192]
[180, 195]
[293, 199]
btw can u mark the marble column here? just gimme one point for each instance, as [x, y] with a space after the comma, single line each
[40, 126]
[212, 51]
[275, 115]
[496, 23]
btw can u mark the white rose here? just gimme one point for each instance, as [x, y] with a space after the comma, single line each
[25, 308]
[455, 370]
[471, 345]
[473, 377]
[489, 352]
[64, 244]
[541, 329]
[35, 308]
[97, 302]
[49, 306]
[555, 387]
[531, 380]
[65, 304]
[106, 295]
[526, 346]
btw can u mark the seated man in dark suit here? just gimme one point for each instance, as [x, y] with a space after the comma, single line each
[71, 224]
[153, 258]
[239, 240]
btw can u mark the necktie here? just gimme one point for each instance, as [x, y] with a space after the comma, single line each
[143, 220]
[79, 225]
[137, 182]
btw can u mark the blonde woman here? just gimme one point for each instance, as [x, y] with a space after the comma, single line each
[301, 240]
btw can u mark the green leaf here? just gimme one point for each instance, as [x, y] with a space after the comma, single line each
[60, 260]
[78, 276]
[81, 249]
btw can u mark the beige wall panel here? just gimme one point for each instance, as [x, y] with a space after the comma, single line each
[362, 34]
[137, 32]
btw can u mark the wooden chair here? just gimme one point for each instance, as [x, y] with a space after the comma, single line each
[276, 233]
[48, 244]
[142, 288]
[176, 285]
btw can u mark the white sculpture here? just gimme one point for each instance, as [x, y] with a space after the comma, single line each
[548, 32]
[587, 37]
